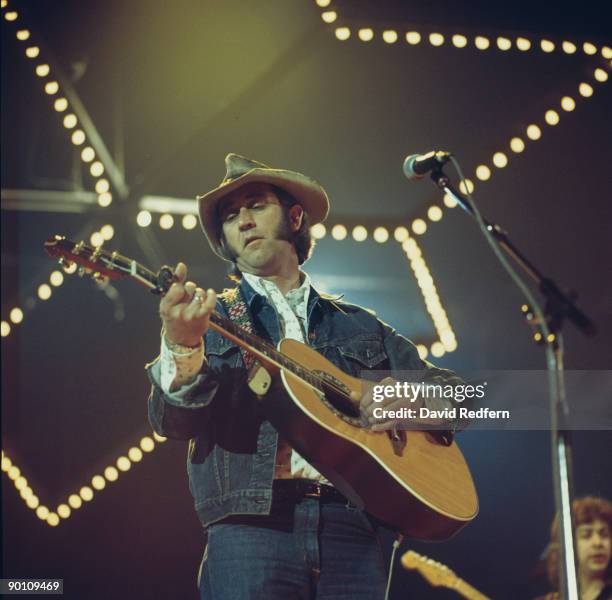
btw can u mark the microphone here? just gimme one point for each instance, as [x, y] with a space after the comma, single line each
[418, 165]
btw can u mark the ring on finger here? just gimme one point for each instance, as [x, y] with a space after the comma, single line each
[198, 298]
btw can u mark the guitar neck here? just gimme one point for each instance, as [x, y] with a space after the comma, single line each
[264, 351]
[468, 591]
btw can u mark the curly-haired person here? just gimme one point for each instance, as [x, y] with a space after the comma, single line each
[593, 526]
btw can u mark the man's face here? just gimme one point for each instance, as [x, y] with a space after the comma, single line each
[256, 228]
[593, 543]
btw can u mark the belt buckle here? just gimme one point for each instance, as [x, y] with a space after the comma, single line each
[315, 493]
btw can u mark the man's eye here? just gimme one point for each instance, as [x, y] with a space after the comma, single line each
[230, 217]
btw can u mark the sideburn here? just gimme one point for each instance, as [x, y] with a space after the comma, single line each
[283, 232]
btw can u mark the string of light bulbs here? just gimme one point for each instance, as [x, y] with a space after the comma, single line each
[77, 136]
[87, 492]
[504, 43]
[61, 105]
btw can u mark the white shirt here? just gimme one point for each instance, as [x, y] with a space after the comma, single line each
[292, 311]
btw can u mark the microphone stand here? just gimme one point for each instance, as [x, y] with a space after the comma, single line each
[558, 307]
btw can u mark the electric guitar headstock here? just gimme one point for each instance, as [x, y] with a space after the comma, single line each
[434, 572]
[438, 574]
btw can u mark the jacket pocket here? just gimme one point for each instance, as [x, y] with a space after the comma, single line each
[356, 354]
[369, 353]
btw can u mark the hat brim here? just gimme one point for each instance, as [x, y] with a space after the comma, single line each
[305, 190]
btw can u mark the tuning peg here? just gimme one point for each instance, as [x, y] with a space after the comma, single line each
[67, 266]
[99, 278]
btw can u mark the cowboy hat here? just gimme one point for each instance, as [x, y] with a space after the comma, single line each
[240, 171]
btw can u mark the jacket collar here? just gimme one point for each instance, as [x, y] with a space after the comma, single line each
[252, 298]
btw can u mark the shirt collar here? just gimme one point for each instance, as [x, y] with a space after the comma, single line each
[259, 284]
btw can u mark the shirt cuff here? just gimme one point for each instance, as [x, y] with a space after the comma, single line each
[179, 369]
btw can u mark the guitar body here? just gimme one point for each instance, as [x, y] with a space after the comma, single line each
[423, 489]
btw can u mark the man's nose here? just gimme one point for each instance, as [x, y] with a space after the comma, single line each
[245, 219]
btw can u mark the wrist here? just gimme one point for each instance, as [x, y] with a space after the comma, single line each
[182, 346]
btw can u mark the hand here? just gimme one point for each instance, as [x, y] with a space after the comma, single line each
[185, 310]
[389, 402]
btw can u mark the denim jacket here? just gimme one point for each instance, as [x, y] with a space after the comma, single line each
[232, 447]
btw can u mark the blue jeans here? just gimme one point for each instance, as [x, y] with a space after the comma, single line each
[304, 549]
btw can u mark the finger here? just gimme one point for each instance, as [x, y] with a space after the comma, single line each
[369, 414]
[190, 289]
[176, 313]
[173, 297]
[209, 303]
[368, 404]
[177, 294]
[202, 304]
[386, 424]
[383, 426]
[364, 393]
[181, 272]
[377, 424]
[368, 409]
[367, 401]
[395, 401]
[192, 307]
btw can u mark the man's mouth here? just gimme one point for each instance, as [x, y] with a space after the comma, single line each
[251, 239]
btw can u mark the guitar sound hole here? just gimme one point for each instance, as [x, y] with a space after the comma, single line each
[337, 398]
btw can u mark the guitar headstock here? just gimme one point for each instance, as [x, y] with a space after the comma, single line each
[434, 572]
[90, 260]
[101, 264]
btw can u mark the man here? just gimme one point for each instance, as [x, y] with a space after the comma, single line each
[593, 527]
[276, 527]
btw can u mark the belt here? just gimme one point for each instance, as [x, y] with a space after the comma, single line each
[303, 488]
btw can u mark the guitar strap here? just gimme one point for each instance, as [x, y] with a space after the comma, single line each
[259, 380]
[238, 311]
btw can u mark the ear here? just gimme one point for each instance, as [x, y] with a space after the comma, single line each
[296, 214]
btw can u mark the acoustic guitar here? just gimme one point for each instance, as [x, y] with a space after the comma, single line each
[413, 481]
[438, 574]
